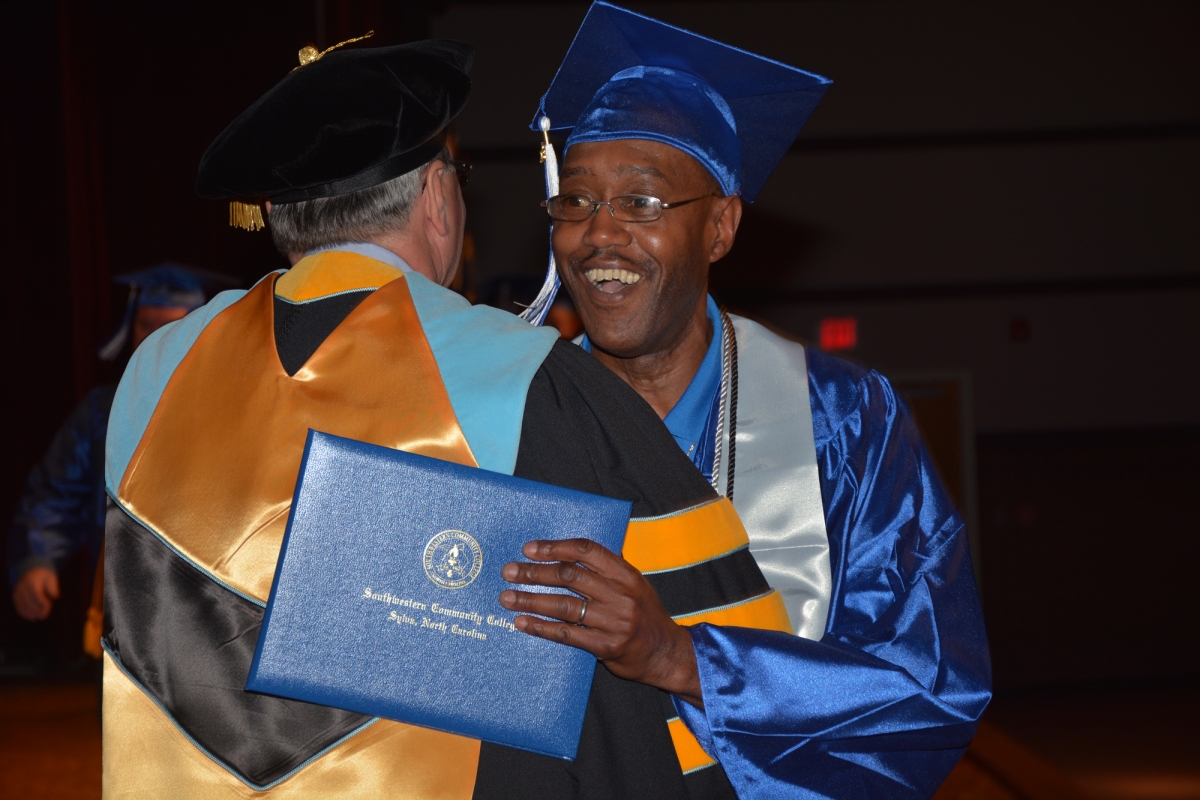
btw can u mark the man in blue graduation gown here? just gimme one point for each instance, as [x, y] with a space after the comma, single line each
[61, 511]
[876, 688]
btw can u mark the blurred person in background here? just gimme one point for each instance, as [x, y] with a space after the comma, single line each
[61, 511]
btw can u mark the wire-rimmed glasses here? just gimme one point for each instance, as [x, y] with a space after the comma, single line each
[625, 208]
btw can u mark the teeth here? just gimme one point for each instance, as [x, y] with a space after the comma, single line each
[598, 276]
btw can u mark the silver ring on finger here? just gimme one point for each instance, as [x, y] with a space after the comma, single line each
[582, 612]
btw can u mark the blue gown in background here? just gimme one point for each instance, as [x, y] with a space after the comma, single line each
[62, 508]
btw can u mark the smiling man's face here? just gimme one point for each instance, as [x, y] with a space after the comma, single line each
[638, 286]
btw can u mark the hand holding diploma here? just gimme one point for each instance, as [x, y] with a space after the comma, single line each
[618, 618]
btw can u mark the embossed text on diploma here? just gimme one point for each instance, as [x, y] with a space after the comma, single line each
[401, 615]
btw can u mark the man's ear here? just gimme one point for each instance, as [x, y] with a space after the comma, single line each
[436, 200]
[727, 216]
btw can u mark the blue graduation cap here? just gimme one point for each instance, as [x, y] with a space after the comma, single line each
[166, 285]
[628, 76]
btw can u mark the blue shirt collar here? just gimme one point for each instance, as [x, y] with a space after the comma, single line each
[692, 419]
[369, 250]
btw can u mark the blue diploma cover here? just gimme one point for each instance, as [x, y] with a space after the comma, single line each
[386, 596]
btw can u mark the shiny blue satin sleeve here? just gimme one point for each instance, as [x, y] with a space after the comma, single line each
[886, 702]
[62, 508]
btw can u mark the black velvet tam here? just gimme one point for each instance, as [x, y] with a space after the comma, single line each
[349, 121]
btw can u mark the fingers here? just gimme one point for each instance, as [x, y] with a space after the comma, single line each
[594, 556]
[566, 607]
[563, 574]
[30, 603]
[564, 633]
[35, 593]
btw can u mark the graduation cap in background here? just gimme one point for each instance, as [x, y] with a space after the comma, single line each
[166, 285]
[339, 123]
[628, 76]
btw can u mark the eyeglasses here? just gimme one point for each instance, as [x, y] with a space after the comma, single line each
[626, 208]
[462, 169]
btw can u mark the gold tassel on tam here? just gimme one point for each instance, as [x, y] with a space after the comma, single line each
[247, 216]
[309, 54]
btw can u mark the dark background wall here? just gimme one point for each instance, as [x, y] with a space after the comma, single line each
[1004, 191]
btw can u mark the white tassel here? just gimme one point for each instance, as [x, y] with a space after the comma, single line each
[113, 347]
[540, 307]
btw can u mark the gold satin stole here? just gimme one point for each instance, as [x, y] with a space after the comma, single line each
[214, 474]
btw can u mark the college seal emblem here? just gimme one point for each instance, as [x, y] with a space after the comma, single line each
[453, 559]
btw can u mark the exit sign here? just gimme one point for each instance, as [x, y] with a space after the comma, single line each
[839, 333]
